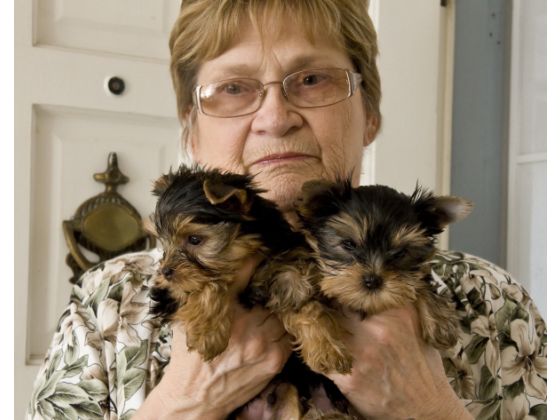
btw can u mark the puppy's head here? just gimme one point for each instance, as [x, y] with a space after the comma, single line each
[199, 218]
[373, 242]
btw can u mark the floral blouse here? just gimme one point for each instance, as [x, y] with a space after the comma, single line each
[108, 352]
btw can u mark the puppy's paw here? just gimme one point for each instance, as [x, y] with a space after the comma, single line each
[327, 359]
[209, 346]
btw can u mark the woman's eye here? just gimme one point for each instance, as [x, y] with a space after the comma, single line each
[348, 244]
[313, 79]
[234, 88]
[194, 240]
[310, 79]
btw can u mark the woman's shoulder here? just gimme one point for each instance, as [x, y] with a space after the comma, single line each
[134, 271]
[481, 288]
[499, 362]
[107, 351]
[475, 278]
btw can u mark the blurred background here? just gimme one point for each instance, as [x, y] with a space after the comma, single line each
[464, 113]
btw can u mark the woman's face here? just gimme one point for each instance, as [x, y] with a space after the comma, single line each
[282, 145]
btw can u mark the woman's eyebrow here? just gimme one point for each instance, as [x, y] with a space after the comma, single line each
[307, 61]
[233, 70]
[301, 62]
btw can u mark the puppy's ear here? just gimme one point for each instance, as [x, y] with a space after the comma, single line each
[227, 196]
[320, 197]
[161, 184]
[436, 212]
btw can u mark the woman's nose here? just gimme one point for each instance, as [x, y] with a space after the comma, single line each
[276, 116]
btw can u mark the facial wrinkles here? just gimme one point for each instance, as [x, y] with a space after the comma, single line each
[229, 157]
[335, 154]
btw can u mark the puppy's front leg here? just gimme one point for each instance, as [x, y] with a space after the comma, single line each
[318, 338]
[206, 316]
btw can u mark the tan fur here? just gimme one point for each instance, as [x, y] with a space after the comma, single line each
[285, 406]
[288, 402]
[205, 301]
[315, 414]
[394, 276]
[410, 236]
[346, 226]
[438, 320]
[207, 319]
[293, 297]
[318, 337]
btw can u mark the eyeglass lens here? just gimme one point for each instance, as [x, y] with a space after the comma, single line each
[306, 89]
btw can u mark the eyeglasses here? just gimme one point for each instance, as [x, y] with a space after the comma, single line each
[305, 89]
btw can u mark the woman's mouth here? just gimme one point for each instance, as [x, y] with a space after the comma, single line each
[280, 158]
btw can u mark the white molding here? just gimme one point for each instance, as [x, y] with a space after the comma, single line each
[368, 161]
[447, 58]
[514, 129]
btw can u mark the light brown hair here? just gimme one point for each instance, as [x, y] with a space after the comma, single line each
[207, 28]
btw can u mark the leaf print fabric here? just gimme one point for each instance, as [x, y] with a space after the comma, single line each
[108, 353]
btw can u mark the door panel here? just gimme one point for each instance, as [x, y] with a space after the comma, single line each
[61, 181]
[132, 27]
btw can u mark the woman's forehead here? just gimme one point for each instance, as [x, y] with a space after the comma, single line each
[254, 53]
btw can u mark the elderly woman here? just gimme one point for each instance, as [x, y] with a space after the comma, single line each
[243, 72]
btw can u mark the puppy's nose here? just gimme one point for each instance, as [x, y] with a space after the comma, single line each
[372, 281]
[167, 272]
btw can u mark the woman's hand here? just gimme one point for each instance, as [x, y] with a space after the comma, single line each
[194, 389]
[395, 374]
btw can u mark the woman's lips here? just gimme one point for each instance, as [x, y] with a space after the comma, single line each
[279, 158]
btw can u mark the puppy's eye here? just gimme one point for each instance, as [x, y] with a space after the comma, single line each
[399, 254]
[348, 244]
[194, 240]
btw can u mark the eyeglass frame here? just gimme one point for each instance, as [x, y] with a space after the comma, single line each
[353, 78]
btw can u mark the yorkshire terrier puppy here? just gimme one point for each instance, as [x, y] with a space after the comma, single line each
[374, 245]
[209, 223]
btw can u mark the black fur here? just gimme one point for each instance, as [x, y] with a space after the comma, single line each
[385, 210]
[163, 304]
[185, 196]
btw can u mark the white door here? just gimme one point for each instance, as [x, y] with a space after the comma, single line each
[526, 242]
[67, 122]
[416, 69]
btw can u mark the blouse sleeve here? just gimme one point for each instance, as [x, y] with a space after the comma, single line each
[96, 365]
[498, 367]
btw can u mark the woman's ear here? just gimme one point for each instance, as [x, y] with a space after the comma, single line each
[372, 125]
